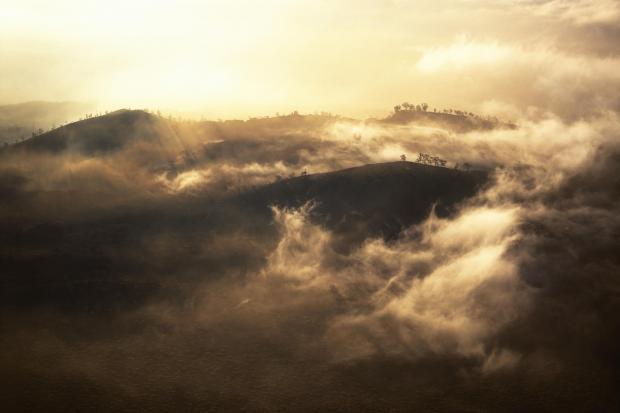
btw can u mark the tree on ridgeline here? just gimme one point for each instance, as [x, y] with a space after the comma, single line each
[430, 160]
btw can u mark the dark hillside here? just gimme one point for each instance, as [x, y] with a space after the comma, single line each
[379, 198]
[84, 256]
[100, 134]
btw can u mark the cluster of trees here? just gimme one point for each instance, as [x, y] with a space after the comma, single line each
[430, 160]
[91, 115]
[408, 107]
[427, 159]
[459, 113]
[423, 107]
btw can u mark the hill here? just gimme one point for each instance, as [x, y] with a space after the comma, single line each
[99, 134]
[458, 122]
[76, 253]
[113, 131]
[378, 199]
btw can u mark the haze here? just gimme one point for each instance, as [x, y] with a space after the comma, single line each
[355, 58]
[310, 206]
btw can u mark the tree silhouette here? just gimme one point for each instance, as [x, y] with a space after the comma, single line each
[403, 157]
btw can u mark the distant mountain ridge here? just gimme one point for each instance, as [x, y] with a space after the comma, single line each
[99, 134]
[458, 121]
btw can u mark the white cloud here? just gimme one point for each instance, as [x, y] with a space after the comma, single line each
[515, 75]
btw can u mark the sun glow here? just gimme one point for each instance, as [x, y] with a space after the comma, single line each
[247, 58]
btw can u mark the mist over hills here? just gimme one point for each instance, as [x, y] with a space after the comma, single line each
[376, 199]
[113, 130]
[458, 255]
[89, 207]
[101, 134]
[151, 263]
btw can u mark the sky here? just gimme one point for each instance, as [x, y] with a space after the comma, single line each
[355, 58]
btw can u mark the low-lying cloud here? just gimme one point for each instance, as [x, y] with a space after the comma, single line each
[171, 269]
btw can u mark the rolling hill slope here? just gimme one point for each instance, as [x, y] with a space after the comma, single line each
[380, 199]
[97, 135]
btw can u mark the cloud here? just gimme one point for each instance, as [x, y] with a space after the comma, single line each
[580, 12]
[444, 287]
[570, 85]
[576, 12]
[463, 55]
[182, 276]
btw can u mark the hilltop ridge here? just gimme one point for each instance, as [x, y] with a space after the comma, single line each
[379, 199]
[97, 134]
[456, 120]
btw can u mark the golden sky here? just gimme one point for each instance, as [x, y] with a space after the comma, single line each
[356, 58]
